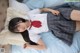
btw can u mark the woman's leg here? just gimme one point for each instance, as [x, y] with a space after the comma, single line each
[75, 15]
[77, 25]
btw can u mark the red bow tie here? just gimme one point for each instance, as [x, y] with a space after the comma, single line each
[36, 24]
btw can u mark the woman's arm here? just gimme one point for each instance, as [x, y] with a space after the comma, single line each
[55, 12]
[38, 11]
[40, 46]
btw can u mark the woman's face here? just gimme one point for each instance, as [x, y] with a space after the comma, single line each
[22, 26]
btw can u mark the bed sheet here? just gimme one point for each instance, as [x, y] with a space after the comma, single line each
[54, 45]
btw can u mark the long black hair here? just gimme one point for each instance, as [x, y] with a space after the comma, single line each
[12, 27]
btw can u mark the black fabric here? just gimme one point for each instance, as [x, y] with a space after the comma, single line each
[25, 36]
[75, 5]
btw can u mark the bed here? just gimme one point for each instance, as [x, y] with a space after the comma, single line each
[54, 45]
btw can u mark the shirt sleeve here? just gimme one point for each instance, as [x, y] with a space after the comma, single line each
[35, 11]
[34, 37]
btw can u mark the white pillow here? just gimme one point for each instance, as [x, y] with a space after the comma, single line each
[18, 6]
[12, 13]
[7, 37]
[11, 38]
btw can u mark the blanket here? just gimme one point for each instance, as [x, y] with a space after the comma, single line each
[54, 45]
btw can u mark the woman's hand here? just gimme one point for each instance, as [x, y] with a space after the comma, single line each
[55, 12]
[26, 45]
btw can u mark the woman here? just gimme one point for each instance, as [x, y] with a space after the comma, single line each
[63, 22]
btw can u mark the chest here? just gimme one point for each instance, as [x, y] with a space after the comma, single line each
[42, 20]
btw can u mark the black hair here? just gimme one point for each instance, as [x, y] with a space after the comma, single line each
[21, 1]
[25, 35]
[13, 22]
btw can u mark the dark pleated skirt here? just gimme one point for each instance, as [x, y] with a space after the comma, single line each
[62, 26]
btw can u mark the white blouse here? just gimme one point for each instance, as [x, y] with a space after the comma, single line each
[33, 31]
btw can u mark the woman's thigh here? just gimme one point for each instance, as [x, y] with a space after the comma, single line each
[77, 25]
[75, 15]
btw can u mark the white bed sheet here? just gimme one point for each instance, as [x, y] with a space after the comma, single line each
[54, 45]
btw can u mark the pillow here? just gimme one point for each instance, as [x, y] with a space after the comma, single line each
[15, 9]
[11, 38]
[12, 13]
[18, 6]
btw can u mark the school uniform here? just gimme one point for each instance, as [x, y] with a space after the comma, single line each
[61, 26]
